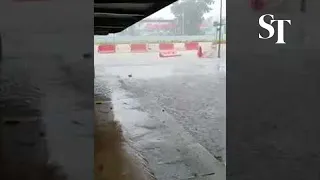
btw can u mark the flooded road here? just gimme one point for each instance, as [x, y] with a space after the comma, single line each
[173, 109]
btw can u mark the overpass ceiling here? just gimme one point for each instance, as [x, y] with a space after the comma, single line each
[115, 17]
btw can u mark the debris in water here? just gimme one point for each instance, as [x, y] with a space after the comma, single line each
[219, 158]
[209, 174]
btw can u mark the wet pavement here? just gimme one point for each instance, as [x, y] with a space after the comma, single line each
[173, 109]
[46, 116]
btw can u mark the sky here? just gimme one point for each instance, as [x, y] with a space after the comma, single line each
[166, 13]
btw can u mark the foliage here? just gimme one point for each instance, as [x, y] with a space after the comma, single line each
[189, 14]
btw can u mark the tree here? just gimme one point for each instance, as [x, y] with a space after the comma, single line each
[210, 20]
[189, 14]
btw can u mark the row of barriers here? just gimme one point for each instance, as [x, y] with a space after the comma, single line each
[145, 47]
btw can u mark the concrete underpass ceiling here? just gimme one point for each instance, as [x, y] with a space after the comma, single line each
[115, 17]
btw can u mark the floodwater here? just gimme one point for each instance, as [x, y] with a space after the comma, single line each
[173, 110]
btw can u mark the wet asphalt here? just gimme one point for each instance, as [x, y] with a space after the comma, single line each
[172, 108]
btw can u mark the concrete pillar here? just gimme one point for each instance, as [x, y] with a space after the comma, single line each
[248, 29]
[1, 55]
[311, 24]
[273, 89]
[38, 32]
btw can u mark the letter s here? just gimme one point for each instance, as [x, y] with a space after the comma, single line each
[266, 26]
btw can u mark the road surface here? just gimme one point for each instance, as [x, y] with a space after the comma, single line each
[173, 109]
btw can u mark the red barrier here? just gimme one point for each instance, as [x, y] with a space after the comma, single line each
[169, 53]
[138, 48]
[191, 46]
[107, 48]
[166, 46]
